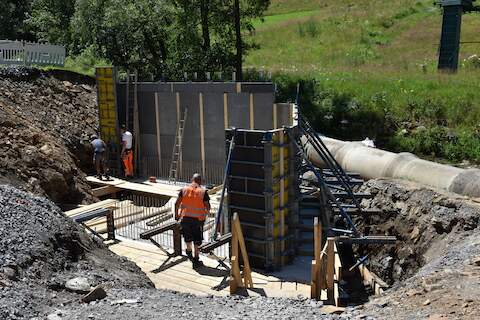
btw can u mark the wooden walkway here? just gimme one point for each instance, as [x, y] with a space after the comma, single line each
[160, 189]
[177, 274]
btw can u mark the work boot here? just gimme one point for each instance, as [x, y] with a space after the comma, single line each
[189, 255]
[197, 263]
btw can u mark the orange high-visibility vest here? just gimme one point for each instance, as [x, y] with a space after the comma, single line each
[192, 202]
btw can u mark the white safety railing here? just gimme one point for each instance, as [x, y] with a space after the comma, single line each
[30, 53]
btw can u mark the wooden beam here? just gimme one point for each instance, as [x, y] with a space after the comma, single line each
[330, 268]
[275, 116]
[251, 112]
[202, 134]
[109, 203]
[105, 190]
[314, 281]
[225, 110]
[247, 272]
[157, 120]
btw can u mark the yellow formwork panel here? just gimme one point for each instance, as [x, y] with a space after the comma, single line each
[279, 214]
[106, 103]
[276, 168]
[276, 153]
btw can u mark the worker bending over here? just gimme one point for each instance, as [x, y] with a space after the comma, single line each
[99, 156]
[127, 151]
[192, 208]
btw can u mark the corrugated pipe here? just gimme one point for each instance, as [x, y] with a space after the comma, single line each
[375, 163]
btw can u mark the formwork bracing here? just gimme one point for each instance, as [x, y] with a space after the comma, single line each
[262, 189]
[328, 197]
[212, 108]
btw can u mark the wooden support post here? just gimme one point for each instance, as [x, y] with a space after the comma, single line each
[235, 275]
[177, 240]
[251, 112]
[314, 282]
[110, 225]
[330, 268]
[225, 110]
[157, 126]
[316, 263]
[202, 133]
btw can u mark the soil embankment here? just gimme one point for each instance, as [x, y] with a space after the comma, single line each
[435, 266]
[45, 121]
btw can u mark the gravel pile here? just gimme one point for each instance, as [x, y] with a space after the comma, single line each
[161, 304]
[40, 250]
[45, 121]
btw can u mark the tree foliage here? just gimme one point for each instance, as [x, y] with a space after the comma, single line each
[157, 37]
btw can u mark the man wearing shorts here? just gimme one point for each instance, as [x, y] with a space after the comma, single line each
[192, 208]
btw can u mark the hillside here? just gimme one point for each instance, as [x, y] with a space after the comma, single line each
[328, 35]
[368, 68]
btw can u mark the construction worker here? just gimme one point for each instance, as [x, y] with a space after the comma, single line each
[192, 208]
[127, 151]
[99, 156]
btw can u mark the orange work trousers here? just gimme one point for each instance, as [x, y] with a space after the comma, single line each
[128, 163]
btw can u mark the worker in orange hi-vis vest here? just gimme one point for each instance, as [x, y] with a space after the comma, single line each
[127, 151]
[192, 208]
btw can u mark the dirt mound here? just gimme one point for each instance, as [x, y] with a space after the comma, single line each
[40, 250]
[44, 123]
[435, 266]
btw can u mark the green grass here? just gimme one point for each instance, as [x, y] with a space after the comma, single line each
[373, 63]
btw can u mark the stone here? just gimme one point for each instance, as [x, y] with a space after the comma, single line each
[54, 316]
[97, 293]
[9, 273]
[124, 301]
[46, 149]
[79, 284]
[332, 309]
[426, 302]
[476, 261]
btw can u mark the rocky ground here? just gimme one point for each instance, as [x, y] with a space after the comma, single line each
[435, 267]
[44, 117]
[48, 264]
[41, 250]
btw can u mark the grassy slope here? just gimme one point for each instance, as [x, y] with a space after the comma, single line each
[361, 34]
[381, 57]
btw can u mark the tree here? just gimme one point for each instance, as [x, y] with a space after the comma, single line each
[12, 16]
[50, 20]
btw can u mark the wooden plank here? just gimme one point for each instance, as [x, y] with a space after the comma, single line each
[157, 120]
[247, 272]
[225, 110]
[275, 117]
[376, 283]
[251, 112]
[159, 189]
[338, 264]
[109, 203]
[202, 133]
[105, 190]
[330, 268]
[313, 284]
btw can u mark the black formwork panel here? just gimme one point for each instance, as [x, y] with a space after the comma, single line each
[262, 190]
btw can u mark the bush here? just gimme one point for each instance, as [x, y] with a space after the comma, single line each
[85, 62]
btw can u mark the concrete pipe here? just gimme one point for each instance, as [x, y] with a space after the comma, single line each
[375, 163]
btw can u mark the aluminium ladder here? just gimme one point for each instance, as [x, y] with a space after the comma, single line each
[175, 165]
